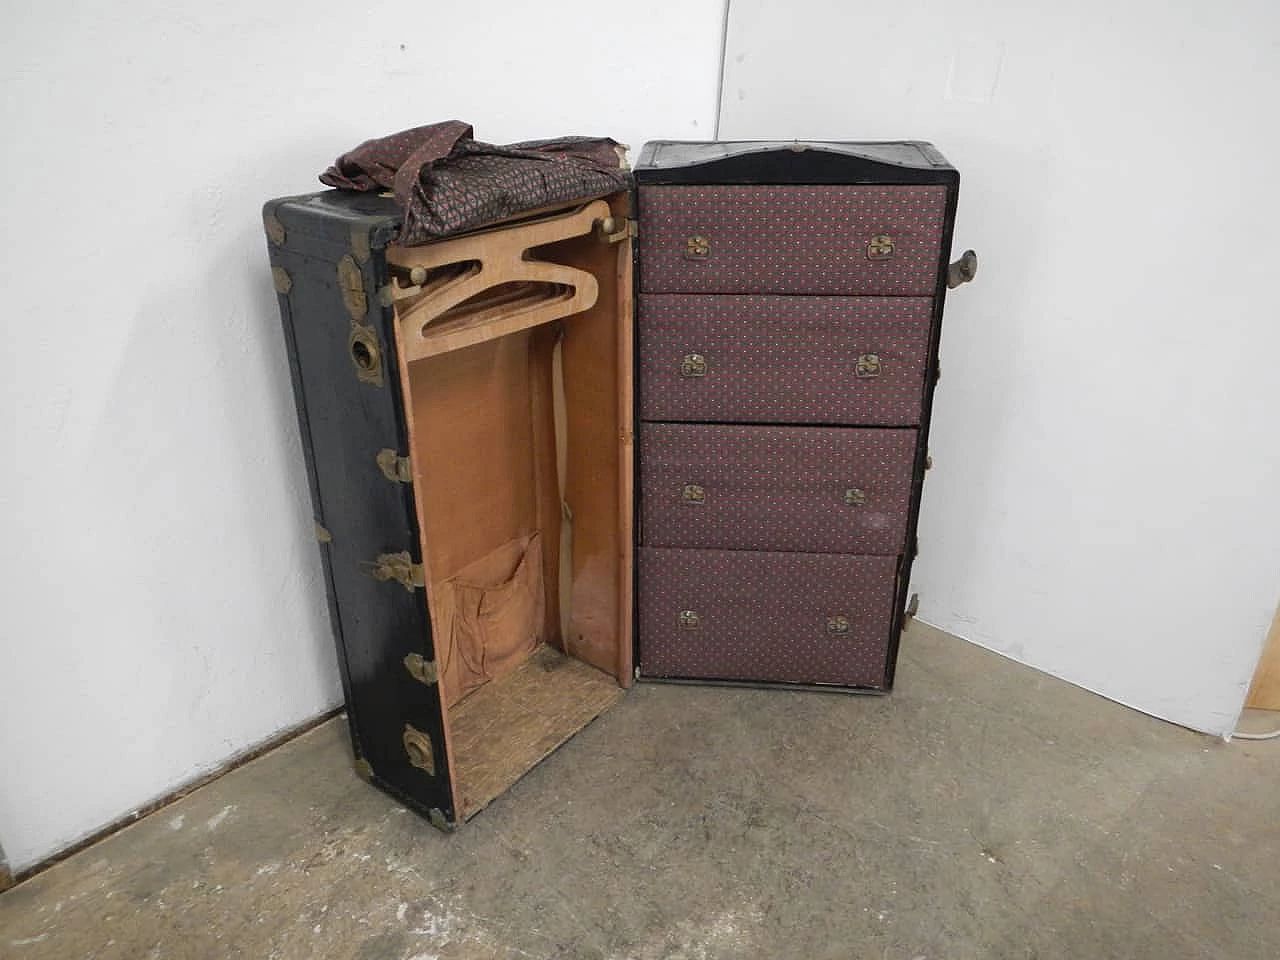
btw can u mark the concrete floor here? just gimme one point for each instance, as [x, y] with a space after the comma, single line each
[982, 811]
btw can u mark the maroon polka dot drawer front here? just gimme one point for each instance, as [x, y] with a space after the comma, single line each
[815, 489]
[761, 359]
[791, 617]
[792, 239]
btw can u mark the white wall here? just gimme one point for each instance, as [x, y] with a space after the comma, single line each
[1107, 451]
[162, 603]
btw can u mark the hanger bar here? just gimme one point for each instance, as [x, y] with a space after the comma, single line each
[452, 311]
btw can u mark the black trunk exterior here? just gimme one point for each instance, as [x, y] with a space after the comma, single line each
[328, 258]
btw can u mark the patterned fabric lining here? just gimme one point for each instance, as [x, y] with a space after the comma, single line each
[796, 617]
[783, 359]
[791, 239]
[447, 183]
[814, 489]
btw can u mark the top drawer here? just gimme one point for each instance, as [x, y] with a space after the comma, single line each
[830, 240]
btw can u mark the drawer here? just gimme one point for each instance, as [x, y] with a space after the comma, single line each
[761, 359]
[791, 239]
[816, 489]
[796, 617]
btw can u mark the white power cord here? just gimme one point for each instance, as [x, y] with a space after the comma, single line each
[1255, 736]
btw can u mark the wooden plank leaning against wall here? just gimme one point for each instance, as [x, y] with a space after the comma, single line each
[1264, 694]
[6, 875]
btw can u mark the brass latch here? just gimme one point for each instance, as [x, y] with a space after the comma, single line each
[694, 493]
[855, 497]
[838, 624]
[867, 366]
[963, 270]
[398, 567]
[688, 619]
[697, 247]
[880, 247]
[418, 747]
[615, 229]
[421, 669]
[693, 365]
[394, 467]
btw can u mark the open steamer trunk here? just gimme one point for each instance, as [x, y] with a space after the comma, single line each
[520, 438]
[480, 453]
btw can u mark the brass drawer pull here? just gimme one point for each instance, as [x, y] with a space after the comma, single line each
[694, 493]
[855, 497]
[867, 366]
[688, 620]
[838, 624]
[697, 247]
[693, 365]
[880, 247]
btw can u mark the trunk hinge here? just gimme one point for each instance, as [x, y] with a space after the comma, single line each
[615, 230]
[394, 467]
[421, 669]
[398, 567]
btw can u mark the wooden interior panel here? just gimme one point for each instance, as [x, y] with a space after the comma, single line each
[599, 427]
[484, 461]
[474, 441]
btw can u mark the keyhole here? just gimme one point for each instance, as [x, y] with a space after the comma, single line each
[363, 356]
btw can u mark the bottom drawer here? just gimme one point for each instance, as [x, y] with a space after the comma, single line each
[789, 617]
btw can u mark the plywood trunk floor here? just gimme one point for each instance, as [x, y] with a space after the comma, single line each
[500, 732]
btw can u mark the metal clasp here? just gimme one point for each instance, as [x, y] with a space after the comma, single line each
[688, 619]
[694, 493]
[393, 466]
[963, 270]
[421, 669]
[880, 247]
[398, 567]
[693, 365]
[838, 624]
[697, 247]
[855, 497]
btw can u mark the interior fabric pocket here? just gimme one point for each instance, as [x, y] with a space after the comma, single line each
[498, 614]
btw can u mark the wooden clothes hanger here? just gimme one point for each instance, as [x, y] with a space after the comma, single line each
[485, 285]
